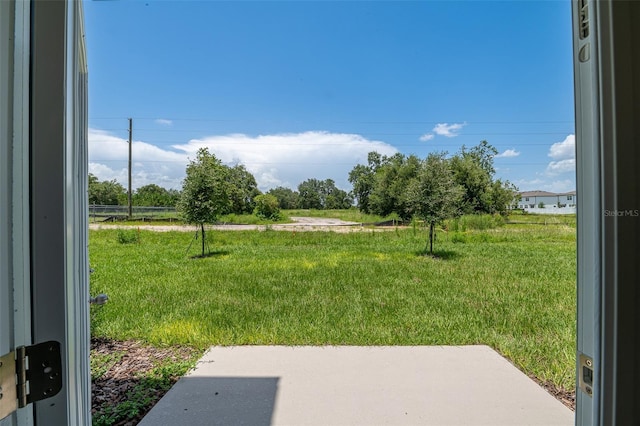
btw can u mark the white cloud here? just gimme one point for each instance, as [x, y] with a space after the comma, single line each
[108, 156]
[560, 186]
[529, 185]
[562, 166]
[564, 185]
[427, 137]
[563, 150]
[509, 153]
[164, 122]
[564, 156]
[448, 130]
[290, 158]
[104, 172]
[274, 160]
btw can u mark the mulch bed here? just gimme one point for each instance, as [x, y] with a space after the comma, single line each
[568, 398]
[112, 387]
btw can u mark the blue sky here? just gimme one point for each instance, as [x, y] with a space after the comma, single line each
[305, 89]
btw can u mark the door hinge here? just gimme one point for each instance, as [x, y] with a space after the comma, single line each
[29, 374]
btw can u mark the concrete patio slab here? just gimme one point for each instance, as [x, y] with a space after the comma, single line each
[349, 385]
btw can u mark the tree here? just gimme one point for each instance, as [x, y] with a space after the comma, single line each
[483, 155]
[105, 192]
[205, 191]
[362, 178]
[392, 177]
[323, 195]
[336, 198]
[476, 182]
[503, 195]
[154, 195]
[267, 207]
[433, 194]
[310, 194]
[288, 199]
[243, 190]
[473, 169]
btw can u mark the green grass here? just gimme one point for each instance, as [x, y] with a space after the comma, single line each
[512, 288]
[144, 392]
[542, 219]
[250, 219]
[477, 222]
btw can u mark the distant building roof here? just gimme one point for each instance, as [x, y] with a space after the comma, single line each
[537, 194]
[544, 193]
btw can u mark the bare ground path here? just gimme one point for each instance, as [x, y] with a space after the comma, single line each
[299, 224]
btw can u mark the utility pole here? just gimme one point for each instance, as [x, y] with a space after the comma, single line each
[130, 144]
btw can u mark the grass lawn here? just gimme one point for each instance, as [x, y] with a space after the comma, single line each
[512, 288]
[543, 219]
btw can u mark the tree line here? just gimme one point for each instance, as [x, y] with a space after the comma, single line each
[431, 189]
[110, 192]
[242, 192]
[241, 195]
[379, 187]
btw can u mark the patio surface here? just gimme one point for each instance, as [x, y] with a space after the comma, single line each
[354, 385]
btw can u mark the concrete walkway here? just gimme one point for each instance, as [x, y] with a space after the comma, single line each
[349, 385]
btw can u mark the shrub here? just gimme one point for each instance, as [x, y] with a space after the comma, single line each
[128, 236]
[458, 237]
[267, 207]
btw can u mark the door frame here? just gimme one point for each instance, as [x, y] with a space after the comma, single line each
[44, 288]
[58, 201]
[43, 202]
[607, 77]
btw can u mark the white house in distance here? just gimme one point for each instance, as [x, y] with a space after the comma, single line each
[548, 202]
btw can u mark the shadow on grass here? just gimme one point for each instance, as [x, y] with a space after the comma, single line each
[440, 254]
[218, 253]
